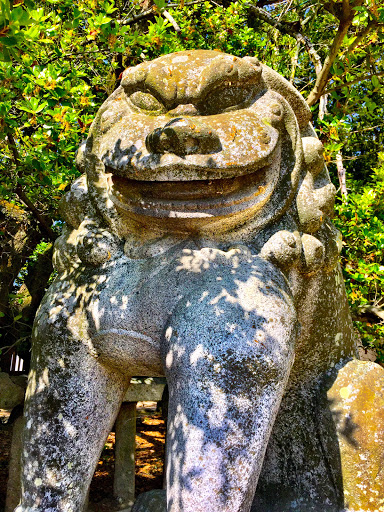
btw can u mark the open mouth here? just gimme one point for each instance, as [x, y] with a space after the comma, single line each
[194, 198]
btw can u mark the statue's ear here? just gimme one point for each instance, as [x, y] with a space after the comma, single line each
[279, 84]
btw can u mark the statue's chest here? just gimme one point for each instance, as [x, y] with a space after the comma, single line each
[136, 296]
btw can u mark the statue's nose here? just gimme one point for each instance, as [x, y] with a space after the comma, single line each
[183, 136]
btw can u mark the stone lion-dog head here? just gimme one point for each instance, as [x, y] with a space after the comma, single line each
[203, 144]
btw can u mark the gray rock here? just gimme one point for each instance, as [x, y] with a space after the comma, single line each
[11, 394]
[357, 403]
[151, 501]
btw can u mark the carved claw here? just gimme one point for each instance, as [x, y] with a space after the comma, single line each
[313, 254]
[283, 249]
[96, 246]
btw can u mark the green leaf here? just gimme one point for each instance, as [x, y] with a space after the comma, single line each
[4, 54]
[160, 4]
[20, 16]
[375, 81]
[32, 33]
[32, 106]
[5, 10]
[10, 41]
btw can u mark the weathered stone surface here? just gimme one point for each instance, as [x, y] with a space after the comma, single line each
[11, 394]
[206, 254]
[357, 404]
[152, 501]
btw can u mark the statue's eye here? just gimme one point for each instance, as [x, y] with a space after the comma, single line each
[146, 101]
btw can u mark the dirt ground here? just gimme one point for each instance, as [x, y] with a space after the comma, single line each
[150, 442]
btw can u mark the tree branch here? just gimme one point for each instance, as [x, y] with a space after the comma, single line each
[360, 35]
[323, 76]
[346, 17]
[151, 12]
[341, 175]
[134, 19]
[171, 6]
[171, 19]
[367, 129]
[322, 71]
[69, 55]
[23, 196]
[294, 62]
[352, 82]
[261, 3]
[287, 29]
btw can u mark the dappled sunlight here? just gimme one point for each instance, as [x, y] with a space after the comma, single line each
[196, 354]
[69, 428]
[31, 384]
[43, 381]
[223, 295]
[191, 262]
[236, 336]
[207, 325]
[198, 260]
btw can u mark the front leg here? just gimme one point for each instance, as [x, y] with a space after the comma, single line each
[228, 351]
[71, 403]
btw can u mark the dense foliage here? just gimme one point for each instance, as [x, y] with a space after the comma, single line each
[361, 222]
[60, 59]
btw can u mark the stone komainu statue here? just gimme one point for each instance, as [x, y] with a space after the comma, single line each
[198, 245]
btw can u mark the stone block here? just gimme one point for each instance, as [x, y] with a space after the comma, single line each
[11, 394]
[152, 501]
[357, 404]
[145, 389]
